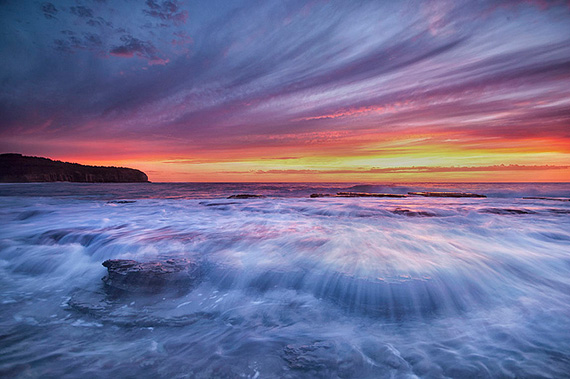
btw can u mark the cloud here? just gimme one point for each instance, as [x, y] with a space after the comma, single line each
[417, 169]
[132, 46]
[343, 75]
[280, 158]
[166, 11]
[82, 11]
[49, 10]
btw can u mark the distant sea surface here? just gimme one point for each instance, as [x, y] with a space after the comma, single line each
[290, 286]
[221, 190]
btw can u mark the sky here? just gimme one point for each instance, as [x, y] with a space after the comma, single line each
[289, 91]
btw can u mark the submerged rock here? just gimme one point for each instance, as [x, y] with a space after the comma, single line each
[219, 204]
[506, 211]
[321, 195]
[136, 312]
[410, 213]
[133, 276]
[323, 358]
[316, 356]
[357, 194]
[446, 194]
[366, 194]
[245, 196]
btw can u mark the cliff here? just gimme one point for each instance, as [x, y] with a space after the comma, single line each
[16, 168]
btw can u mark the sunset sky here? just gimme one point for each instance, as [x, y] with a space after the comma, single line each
[264, 90]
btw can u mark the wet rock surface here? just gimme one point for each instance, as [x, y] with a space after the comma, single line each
[446, 194]
[131, 311]
[358, 194]
[313, 195]
[245, 196]
[506, 211]
[223, 204]
[366, 194]
[323, 358]
[410, 213]
[171, 274]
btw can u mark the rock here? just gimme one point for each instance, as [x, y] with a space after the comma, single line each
[245, 196]
[16, 168]
[124, 312]
[365, 194]
[321, 195]
[326, 359]
[219, 204]
[446, 194]
[133, 276]
[407, 212]
[316, 356]
[506, 211]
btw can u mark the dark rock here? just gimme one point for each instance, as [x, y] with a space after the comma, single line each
[219, 204]
[245, 196]
[446, 194]
[366, 194]
[506, 211]
[410, 213]
[16, 168]
[321, 195]
[133, 276]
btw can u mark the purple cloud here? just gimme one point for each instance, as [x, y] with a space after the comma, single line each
[166, 11]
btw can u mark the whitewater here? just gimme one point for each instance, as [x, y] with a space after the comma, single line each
[291, 286]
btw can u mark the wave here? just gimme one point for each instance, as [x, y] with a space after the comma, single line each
[290, 286]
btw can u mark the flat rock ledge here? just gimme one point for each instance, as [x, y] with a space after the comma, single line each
[245, 196]
[446, 194]
[358, 194]
[151, 277]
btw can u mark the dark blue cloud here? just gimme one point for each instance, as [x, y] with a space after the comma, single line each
[166, 11]
[49, 10]
[82, 11]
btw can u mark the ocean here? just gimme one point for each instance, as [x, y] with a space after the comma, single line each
[289, 286]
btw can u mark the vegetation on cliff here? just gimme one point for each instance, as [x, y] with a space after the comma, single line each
[16, 168]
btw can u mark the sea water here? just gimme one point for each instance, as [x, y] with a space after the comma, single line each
[293, 286]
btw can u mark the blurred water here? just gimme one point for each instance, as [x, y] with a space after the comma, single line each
[110, 191]
[294, 287]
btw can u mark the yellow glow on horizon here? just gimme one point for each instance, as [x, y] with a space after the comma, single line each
[340, 157]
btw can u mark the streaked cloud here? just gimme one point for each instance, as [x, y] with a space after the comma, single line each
[312, 79]
[419, 169]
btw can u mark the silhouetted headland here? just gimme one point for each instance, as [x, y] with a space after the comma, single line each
[17, 168]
